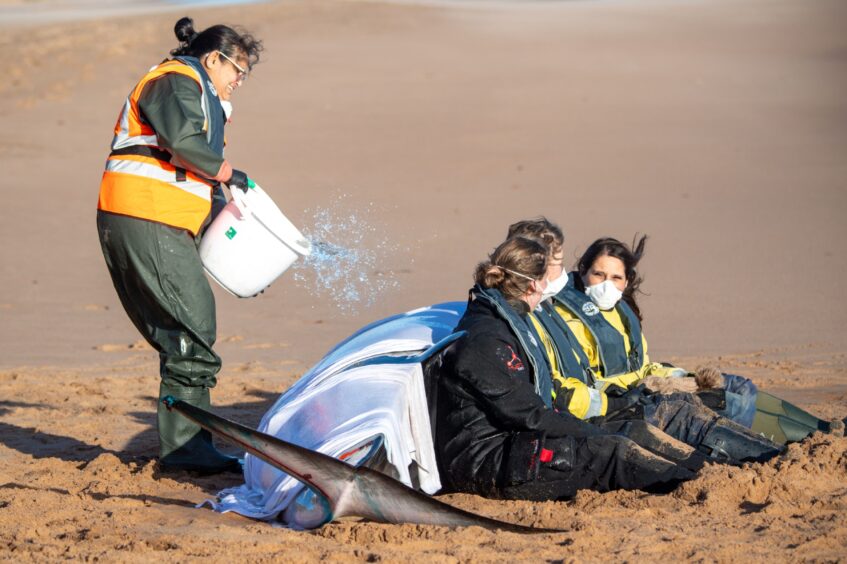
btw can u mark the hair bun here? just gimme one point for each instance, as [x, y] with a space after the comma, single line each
[184, 30]
[494, 275]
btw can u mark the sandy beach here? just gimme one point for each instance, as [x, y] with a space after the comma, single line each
[718, 128]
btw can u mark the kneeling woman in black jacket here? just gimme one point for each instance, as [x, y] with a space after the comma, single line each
[496, 433]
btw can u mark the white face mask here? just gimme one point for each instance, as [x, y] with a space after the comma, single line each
[227, 106]
[605, 295]
[555, 286]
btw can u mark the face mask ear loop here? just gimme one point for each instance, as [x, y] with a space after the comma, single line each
[537, 290]
[531, 279]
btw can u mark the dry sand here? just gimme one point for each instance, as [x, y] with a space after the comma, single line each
[717, 127]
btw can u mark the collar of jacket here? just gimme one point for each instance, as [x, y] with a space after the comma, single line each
[527, 338]
[212, 109]
[573, 361]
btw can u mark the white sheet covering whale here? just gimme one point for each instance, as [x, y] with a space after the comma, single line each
[368, 390]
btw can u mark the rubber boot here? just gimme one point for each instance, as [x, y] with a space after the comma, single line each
[183, 445]
[730, 442]
[784, 422]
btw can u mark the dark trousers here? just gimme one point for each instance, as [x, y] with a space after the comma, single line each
[600, 463]
[157, 273]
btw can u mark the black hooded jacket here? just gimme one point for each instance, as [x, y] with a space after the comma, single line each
[485, 398]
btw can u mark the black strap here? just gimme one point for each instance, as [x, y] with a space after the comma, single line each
[144, 151]
[148, 151]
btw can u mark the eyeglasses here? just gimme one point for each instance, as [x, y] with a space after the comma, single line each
[242, 73]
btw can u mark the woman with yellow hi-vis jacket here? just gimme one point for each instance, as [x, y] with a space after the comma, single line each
[161, 183]
[598, 303]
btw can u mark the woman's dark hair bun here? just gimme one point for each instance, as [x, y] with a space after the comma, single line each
[219, 37]
[184, 30]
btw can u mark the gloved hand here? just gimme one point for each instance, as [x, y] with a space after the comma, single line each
[613, 390]
[239, 179]
[566, 424]
[631, 398]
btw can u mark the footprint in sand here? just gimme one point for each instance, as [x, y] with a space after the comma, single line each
[256, 346]
[231, 339]
[139, 345]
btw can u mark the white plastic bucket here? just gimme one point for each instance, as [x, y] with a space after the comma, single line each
[250, 244]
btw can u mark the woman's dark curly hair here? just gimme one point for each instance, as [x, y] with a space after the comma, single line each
[216, 38]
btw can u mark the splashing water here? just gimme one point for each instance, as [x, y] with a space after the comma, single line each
[348, 256]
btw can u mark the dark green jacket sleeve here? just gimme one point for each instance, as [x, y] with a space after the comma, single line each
[172, 106]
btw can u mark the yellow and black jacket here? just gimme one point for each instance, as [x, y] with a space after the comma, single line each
[574, 385]
[612, 340]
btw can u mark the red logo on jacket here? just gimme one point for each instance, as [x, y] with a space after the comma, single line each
[511, 359]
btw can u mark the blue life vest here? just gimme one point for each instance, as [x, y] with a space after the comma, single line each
[610, 343]
[566, 345]
[527, 337]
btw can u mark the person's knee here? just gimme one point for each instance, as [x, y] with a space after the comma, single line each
[668, 410]
[598, 450]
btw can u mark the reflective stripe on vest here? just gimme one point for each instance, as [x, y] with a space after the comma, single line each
[153, 189]
[610, 344]
[163, 172]
[527, 337]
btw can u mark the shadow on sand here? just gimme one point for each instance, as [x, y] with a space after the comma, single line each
[140, 449]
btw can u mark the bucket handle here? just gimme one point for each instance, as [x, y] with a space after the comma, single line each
[240, 200]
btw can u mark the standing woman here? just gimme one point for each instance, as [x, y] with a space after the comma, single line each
[156, 196]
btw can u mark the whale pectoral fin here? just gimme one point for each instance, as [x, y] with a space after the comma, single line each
[359, 492]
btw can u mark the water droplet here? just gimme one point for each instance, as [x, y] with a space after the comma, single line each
[349, 256]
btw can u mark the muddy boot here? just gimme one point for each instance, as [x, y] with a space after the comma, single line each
[183, 445]
[658, 442]
[730, 442]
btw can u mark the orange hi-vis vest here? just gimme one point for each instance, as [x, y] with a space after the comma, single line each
[143, 180]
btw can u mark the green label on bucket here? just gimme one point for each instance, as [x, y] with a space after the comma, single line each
[230, 233]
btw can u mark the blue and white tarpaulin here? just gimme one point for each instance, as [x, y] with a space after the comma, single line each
[368, 390]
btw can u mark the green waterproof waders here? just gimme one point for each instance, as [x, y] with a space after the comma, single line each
[159, 278]
[783, 422]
